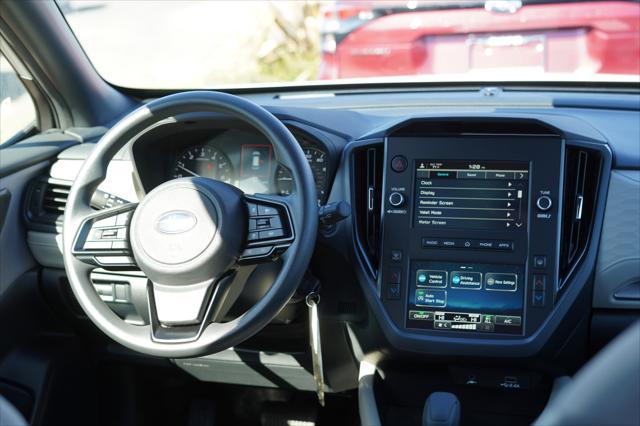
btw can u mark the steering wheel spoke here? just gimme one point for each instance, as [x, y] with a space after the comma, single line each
[102, 239]
[270, 229]
[181, 313]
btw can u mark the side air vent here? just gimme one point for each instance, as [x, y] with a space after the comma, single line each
[55, 198]
[581, 181]
[45, 204]
[46, 201]
[367, 178]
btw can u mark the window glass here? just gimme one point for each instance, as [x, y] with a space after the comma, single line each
[17, 111]
[210, 44]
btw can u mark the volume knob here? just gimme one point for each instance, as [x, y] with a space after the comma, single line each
[396, 199]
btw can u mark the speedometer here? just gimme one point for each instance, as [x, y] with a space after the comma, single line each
[317, 161]
[205, 161]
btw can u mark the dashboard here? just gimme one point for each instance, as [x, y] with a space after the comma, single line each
[241, 157]
[473, 230]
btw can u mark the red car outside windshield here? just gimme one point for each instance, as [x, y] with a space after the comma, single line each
[373, 39]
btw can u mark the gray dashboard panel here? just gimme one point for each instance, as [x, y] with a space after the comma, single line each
[618, 263]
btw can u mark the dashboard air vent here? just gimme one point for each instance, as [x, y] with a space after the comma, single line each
[47, 198]
[367, 180]
[55, 198]
[581, 181]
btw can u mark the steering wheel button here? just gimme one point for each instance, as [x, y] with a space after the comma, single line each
[97, 245]
[262, 223]
[275, 222]
[256, 251]
[253, 209]
[123, 219]
[119, 245]
[108, 221]
[253, 236]
[115, 260]
[252, 225]
[272, 233]
[266, 210]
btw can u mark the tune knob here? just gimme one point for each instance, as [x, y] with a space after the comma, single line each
[544, 203]
[396, 199]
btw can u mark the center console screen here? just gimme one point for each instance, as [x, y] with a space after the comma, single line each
[473, 198]
[466, 297]
[471, 194]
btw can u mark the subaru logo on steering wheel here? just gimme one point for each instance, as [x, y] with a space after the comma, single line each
[176, 222]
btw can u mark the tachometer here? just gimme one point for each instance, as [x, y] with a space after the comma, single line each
[205, 161]
[317, 162]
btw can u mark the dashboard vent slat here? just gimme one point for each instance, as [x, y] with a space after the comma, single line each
[367, 180]
[581, 181]
[55, 198]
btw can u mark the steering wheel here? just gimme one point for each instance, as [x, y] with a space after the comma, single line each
[189, 236]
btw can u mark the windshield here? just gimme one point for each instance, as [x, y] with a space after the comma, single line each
[200, 44]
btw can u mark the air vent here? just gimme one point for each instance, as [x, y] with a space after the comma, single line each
[45, 204]
[55, 198]
[367, 180]
[46, 201]
[581, 181]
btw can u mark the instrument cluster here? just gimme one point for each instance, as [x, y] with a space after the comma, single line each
[247, 160]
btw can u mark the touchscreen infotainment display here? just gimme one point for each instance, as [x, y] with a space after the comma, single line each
[466, 297]
[471, 194]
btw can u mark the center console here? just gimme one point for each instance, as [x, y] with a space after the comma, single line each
[470, 234]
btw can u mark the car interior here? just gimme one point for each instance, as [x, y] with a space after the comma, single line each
[385, 251]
